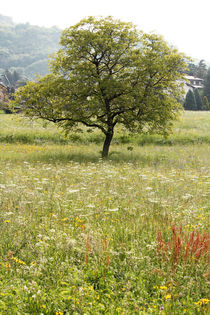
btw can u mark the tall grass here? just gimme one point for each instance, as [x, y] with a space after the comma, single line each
[192, 128]
[83, 236]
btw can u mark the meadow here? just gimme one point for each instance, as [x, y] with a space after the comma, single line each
[128, 235]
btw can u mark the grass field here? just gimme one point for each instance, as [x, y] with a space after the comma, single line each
[192, 128]
[79, 235]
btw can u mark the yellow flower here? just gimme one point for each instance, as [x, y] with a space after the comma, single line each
[7, 221]
[7, 265]
[167, 297]
[202, 302]
[43, 306]
[18, 261]
[59, 313]
[163, 288]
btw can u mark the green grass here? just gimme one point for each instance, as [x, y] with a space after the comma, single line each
[80, 235]
[192, 128]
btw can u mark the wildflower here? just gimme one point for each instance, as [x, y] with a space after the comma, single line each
[78, 220]
[167, 297]
[18, 261]
[113, 210]
[7, 265]
[44, 306]
[163, 288]
[202, 302]
[64, 219]
[59, 313]
[71, 191]
[7, 221]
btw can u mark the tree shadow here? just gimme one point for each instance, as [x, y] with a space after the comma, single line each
[115, 157]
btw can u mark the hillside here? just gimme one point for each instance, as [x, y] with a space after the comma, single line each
[25, 48]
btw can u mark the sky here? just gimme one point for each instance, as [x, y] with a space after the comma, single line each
[183, 23]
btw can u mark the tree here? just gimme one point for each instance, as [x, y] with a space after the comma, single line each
[192, 69]
[206, 104]
[198, 100]
[108, 73]
[201, 69]
[206, 89]
[190, 103]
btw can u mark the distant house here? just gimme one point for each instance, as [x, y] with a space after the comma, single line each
[193, 83]
[4, 95]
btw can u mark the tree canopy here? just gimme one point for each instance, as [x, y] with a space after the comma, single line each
[107, 72]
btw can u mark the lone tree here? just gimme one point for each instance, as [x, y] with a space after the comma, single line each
[108, 73]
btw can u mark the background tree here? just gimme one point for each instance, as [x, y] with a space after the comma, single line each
[108, 73]
[206, 104]
[190, 103]
[192, 69]
[201, 69]
[206, 89]
[198, 70]
[198, 100]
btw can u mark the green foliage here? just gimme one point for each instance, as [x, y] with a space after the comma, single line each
[206, 103]
[192, 69]
[198, 100]
[206, 90]
[26, 47]
[190, 102]
[199, 70]
[108, 73]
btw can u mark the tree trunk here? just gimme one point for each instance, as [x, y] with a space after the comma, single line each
[106, 145]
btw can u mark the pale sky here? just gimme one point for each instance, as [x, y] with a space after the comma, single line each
[183, 23]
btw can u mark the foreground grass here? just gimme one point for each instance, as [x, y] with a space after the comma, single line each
[80, 236]
[83, 236]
